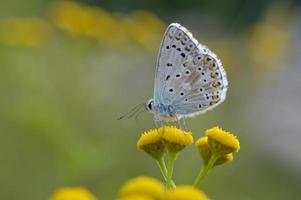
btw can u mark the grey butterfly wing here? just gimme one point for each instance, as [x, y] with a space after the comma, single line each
[169, 60]
[189, 76]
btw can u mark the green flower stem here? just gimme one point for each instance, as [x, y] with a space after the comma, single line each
[163, 169]
[171, 159]
[162, 166]
[205, 170]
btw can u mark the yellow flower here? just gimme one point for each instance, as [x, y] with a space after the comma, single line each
[143, 186]
[24, 32]
[72, 193]
[176, 139]
[145, 29]
[202, 146]
[152, 143]
[224, 159]
[205, 152]
[81, 20]
[222, 142]
[268, 40]
[186, 193]
[136, 197]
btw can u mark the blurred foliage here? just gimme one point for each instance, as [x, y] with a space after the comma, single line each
[241, 13]
[69, 69]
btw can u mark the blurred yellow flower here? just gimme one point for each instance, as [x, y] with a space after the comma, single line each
[145, 29]
[222, 142]
[268, 40]
[186, 193]
[80, 20]
[24, 32]
[143, 186]
[205, 152]
[140, 28]
[72, 193]
[136, 197]
[176, 139]
[152, 143]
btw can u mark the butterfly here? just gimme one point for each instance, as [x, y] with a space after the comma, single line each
[189, 80]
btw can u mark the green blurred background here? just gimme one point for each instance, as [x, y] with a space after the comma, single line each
[68, 69]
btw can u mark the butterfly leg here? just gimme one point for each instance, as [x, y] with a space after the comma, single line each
[178, 121]
[184, 124]
[158, 123]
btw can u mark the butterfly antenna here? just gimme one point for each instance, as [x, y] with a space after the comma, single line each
[138, 114]
[132, 112]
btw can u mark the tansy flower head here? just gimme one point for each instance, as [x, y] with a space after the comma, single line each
[143, 186]
[136, 197]
[205, 152]
[152, 143]
[203, 147]
[222, 142]
[72, 193]
[176, 139]
[224, 159]
[186, 193]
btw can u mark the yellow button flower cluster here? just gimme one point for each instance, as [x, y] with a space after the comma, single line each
[168, 139]
[216, 148]
[72, 193]
[222, 141]
[155, 141]
[142, 187]
[145, 188]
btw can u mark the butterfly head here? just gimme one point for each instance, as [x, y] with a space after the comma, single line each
[149, 105]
